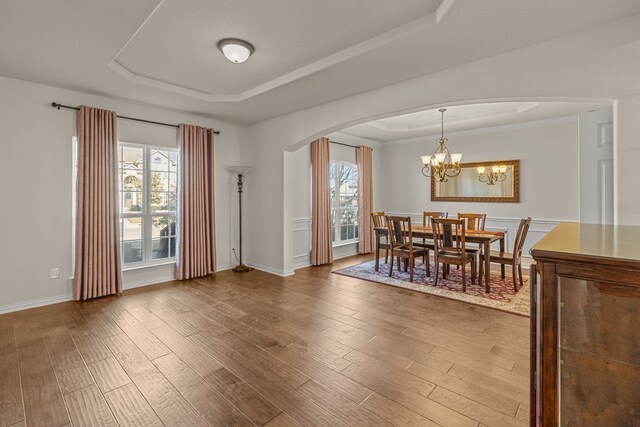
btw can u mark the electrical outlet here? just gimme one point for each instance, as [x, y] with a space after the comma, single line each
[54, 273]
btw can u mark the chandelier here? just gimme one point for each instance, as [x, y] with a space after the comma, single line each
[442, 165]
[492, 175]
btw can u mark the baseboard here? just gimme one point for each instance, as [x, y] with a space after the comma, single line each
[270, 270]
[25, 305]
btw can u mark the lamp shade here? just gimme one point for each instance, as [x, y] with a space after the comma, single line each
[425, 160]
[236, 50]
[456, 157]
[238, 170]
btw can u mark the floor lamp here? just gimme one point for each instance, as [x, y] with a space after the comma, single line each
[240, 171]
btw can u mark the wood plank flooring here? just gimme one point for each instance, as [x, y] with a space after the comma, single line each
[314, 349]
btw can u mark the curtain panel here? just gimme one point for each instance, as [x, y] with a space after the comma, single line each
[196, 253]
[97, 259]
[364, 159]
[321, 242]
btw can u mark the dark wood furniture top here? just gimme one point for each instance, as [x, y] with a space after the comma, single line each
[585, 335]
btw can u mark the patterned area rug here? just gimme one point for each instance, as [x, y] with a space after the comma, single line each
[502, 296]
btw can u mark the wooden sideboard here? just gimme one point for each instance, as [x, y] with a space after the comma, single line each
[585, 342]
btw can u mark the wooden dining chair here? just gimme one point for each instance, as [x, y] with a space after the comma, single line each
[401, 242]
[428, 244]
[378, 220]
[450, 248]
[475, 222]
[514, 259]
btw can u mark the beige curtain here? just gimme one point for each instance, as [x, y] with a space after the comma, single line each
[365, 198]
[97, 258]
[196, 253]
[321, 244]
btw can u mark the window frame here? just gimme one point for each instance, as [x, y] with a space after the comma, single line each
[145, 214]
[337, 210]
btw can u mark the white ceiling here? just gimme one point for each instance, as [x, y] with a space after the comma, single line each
[465, 117]
[308, 52]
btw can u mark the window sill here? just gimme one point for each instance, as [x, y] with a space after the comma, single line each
[149, 265]
[346, 243]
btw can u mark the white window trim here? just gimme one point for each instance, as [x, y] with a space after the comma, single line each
[145, 214]
[338, 211]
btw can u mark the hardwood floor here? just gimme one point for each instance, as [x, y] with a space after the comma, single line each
[315, 349]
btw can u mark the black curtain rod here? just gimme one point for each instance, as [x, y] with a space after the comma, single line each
[59, 106]
[346, 145]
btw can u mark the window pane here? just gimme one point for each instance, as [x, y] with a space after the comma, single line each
[173, 181]
[132, 158]
[159, 160]
[132, 201]
[173, 161]
[132, 251]
[163, 226]
[132, 179]
[131, 228]
[159, 202]
[343, 232]
[163, 248]
[159, 181]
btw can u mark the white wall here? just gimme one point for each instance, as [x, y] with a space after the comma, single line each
[299, 187]
[627, 160]
[548, 154]
[592, 65]
[37, 190]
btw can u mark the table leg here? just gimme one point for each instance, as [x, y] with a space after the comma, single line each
[502, 250]
[487, 265]
[377, 252]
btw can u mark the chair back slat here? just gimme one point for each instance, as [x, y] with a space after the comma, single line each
[400, 233]
[378, 219]
[521, 236]
[427, 217]
[474, 221]
[449, 234]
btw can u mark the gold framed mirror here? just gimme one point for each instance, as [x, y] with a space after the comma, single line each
[495, 181]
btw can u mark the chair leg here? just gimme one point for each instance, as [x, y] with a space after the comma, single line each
[444, 270]
[437, 268]
[411, 262]
[520, 274]
[502, 270]
[428, 266]
[473, 270]
[386, 256]
[464, 277]
[391, 264]
[515, 278]
[377, 258]
[481, 271]
[398, 261]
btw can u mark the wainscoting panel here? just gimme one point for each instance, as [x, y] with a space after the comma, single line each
[302, 245]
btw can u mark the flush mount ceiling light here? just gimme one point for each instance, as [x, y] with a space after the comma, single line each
[236, 50]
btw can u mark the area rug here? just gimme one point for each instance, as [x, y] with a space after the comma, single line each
[501, 297]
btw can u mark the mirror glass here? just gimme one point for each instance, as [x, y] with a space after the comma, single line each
[498, 182]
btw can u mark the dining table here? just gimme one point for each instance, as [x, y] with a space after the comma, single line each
[481, 237]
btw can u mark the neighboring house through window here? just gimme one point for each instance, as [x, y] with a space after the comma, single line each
[148, 196]
[343, 178]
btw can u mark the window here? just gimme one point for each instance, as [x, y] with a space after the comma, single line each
[343, 181]
[147, 187]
